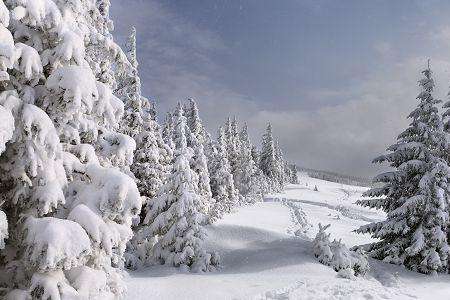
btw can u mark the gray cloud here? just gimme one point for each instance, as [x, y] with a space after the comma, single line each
[345, 129]
[347, 136]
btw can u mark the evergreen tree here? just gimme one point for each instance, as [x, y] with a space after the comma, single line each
[281, 165]
[167, 130]
[105, 58]
[130, 92]
[232, 145]
[151, 164]
[198, 162]
[269, 163]
[222, 184]
[256, 155]
[415, 194]
[194, 122]
[294, 174]
[174, 216]
[246, 178]
[70, 206]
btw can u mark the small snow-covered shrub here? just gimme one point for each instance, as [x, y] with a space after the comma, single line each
[347, 273]
[341, 256]
[359, 261]
[336, 255]
[321, 246]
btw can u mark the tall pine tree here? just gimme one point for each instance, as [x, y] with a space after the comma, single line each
[415, 194]
[175, 215]
[269, 160]
[222, 184]
[247, 177]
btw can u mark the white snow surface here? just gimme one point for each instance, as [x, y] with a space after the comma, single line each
[264, 257]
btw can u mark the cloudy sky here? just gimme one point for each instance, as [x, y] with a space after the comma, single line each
[335, 78]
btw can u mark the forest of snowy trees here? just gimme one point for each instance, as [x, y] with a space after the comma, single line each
[90, 182]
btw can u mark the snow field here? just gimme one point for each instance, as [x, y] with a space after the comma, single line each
[262, 258]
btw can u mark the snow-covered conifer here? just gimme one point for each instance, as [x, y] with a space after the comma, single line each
[167, 130]
[232, 144]
[281, 165]
[268, 162]
[415, 194]
[151, 163]
[174, 215]
[130, 92]
[222, 184]
[246, 174]
[194, 122]
[199, 163]
[71, 212]
[294, 174]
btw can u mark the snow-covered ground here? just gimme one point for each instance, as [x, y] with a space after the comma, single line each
[266, 253]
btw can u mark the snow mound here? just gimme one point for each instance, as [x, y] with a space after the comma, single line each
[50, 243]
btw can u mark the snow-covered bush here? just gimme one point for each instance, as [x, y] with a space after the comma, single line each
[336, 255]
[321, 246]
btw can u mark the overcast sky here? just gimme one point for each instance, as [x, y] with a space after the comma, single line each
[335, 78]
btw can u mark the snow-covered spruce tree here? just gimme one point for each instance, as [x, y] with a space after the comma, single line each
[174, 215]
[152, 161]
[222, 184]
[71, 215]
[294, 174]
[232, 145]
[167, 130]
[139, 121]
[262, 180]
[415, 194]
[287, 172]
[152, 157]
[281, 165]
[268, 162]
[247, 177]
[198, 162]
[130, 92]
[106, 59]
[194, 122]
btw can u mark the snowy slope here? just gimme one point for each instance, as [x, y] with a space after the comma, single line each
[262, 258]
